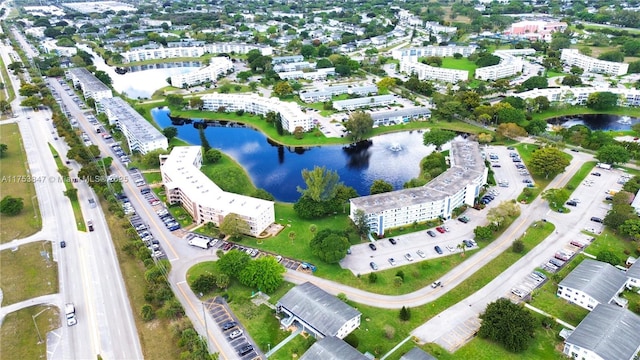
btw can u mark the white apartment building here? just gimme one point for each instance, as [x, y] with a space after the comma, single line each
[140, 134]
[579, 95]
[510, 64]
[572, 57]
[426, 72]
[327, 93]
[90, 85]
[186, 185]
[416, 52]
[218, 66]
[369, 101]
[435, 28]
[293, 66]
[320, 74]
[459, 185]
[160, 52]
[592, 283]
[290, 113]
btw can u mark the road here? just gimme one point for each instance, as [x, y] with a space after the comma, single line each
[89, 274]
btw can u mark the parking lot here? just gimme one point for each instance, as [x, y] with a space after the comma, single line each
[232, 329]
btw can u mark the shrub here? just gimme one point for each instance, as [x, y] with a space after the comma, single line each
[405, 314]
[373, 278]
[389, 331]
[147, 312]
[518, 246]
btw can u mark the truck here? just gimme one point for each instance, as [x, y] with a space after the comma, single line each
[90, 225]
[604, 166]
[70, 312]
[199, 242]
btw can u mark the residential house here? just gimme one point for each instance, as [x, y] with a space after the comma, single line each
[332, 348]
[591, 283]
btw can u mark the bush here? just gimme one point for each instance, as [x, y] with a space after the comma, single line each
[147, 312]
[11, 206]
[518, 246]
[405, 314]
[400, 274]
[373, 278]
[389, 331]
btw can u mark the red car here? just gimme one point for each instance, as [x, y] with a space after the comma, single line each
[441, 230]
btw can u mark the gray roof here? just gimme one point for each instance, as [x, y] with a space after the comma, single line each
[370, 100]
[332, 348]
[88, 81]
[610, 331]
[321, 310]
[417, 354]
[466, 165]
[127, 117]
[597, 279]
[400, 112]
[634, 270]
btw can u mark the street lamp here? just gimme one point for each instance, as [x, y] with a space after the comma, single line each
[33, 317]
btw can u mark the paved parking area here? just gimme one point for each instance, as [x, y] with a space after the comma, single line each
[222, 314]
[459, 336]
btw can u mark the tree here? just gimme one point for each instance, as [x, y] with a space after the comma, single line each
[483, 233]
[222, 281]
[196, 103]
[204, 283]
[264, 274]
[572, 80]
[359, 124]
[380, 186]
[631, 229]
[602, 100]
[321, 183]
[282, 88]
[170, 132]
[28, 89]
[536, 126]
[548, 161]
[329, 245]
[203, 140]
[233, 262]
[631, 47]
[307, 51]
[386, 83]
[103, 76]
[212, 156]
[510, 130]
[614, 55]
[3, 149]
[147, 312]
[517, 246]
[437, 137]
[508, 324]
[535, 82]
[405, 314]
[234, 225]
[608, 257]
[32, 102]
[175, 100]
[361, 223]
[5, 106]
[555, 197]
[11, 206]
[613, 154]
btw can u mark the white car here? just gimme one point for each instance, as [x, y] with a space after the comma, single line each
[235, 334]
[421, 254]
[408, 257]
[392, 261]
[517, 292]
[451, 248]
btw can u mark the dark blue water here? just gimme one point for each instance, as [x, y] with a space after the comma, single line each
[596, 121]
[277, 169]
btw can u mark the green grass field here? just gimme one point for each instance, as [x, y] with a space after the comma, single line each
[460, 64]
[28, 272]
[19, 337]
[75, 203]
[13, 171]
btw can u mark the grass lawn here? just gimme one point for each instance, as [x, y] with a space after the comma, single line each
[573, 183]
[7, 83]
[152, 177]
[26, 273]
[294, 348]
[156, 338]
[229, 176]
[460, 64]
[551, 73]
[545, 297]
[12, 170]
[181, 215]
[19, 336]
[610, 241]
[75, 204]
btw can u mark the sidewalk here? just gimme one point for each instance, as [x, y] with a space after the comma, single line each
[561, 322]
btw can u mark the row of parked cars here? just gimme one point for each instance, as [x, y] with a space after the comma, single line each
[489, 197]
[145, 235]
[124, 158]
[168, 220]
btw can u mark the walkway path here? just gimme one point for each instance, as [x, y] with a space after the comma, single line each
[51, 299]
[283, 342]
[561, 322]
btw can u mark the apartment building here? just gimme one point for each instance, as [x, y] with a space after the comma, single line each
[287, 59]
[186, 185]
[290, 113]
[572, 57]
[369, 101]
[90, 85]
[535, 29]
[320, 74]
[218, 66]
[592, 283]
[399, 116]
[442, 51]
[426, 72]
[141, 135]
[155, 51]
[510, 65]
[459, 185]
[579, 95]
[293, 66]
[326, 94]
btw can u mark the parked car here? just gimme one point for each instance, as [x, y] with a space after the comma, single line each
[517, 292]
[235, 334]
[596, 219]
[245, 349]
[441, 230]
[392, 241]
[373, 247]
[431, 233]
[572, 203]
[408, 257]
[392, 261]
[421, 253]
[373, 265]
[63, 244]
[596, 174]
[229, 325]
[438, 249]
[464, 219]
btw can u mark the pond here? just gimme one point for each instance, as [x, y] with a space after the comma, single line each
[596, 121]
[143, 80]
[394, 158]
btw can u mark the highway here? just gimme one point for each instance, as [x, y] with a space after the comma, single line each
[89, 274]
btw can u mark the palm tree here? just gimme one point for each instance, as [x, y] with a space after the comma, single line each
[462, 246]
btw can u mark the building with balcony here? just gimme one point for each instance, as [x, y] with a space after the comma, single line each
[579, 95]
[193, 50]
[327, 93]
[369, 101]
[426, 72]
[91, 86]
[510, 65]
[218, 66]
[186, 185]
[592, 283]
[459, 185]
[399, 115]
[415, 53]
[572, 57]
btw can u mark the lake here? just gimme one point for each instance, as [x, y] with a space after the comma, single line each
[394, 158]
[596, 121]
[144, 79]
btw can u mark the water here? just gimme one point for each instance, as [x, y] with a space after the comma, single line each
[141, 84]
[597, 121]
[394, 158]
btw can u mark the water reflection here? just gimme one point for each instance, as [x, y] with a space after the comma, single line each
[278, 168]
[596, 121]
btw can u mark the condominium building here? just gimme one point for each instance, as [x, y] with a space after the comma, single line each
[592, 283]
[320, 74]
[510, 64]
[442, 51]
[370, 101]
[218, 66]
[141, 135]
[186, 185]
[90, 85]
[290, 113]
[399, 115]
[287, 59]
[535, 29]
[579, 95]
[50, 47]
[328, 92]
[152, 52]
[572, 57]
[426, 72]
[293, 66]
[459, 185]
